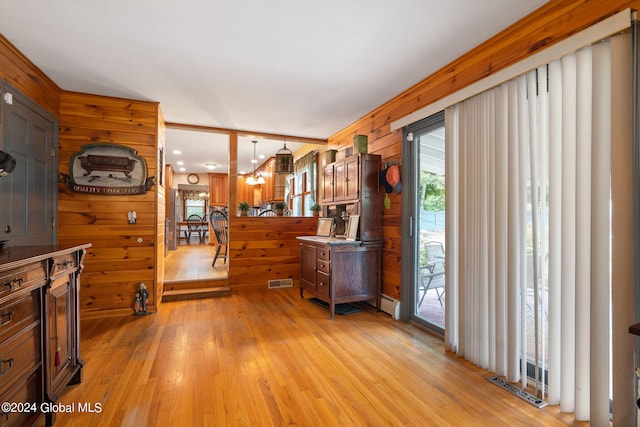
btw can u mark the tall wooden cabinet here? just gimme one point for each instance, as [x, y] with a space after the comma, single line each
[335, 270]
[350, 186]
[39, 328]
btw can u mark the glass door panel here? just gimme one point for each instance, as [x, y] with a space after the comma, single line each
[430, 296]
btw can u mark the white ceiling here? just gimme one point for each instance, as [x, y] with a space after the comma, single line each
[288, 67]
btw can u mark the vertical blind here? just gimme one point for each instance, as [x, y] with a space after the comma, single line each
[528, 222]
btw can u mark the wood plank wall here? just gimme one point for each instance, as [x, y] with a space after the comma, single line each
[117, 263]
[553, 22]
[265, 248]
[22, 74]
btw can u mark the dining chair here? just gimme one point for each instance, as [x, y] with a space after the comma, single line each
[195, 228]
[220, 225]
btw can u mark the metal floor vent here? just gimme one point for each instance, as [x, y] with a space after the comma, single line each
[515, 390]
[280, 283]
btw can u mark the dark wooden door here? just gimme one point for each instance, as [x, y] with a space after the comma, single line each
[60, 334]
[351, 183]
[327, 183]
[28, 195]
[308, 268]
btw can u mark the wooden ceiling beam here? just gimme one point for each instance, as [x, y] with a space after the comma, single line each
[247, 133]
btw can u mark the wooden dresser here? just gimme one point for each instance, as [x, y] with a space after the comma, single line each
[337, 271]
[39, 329]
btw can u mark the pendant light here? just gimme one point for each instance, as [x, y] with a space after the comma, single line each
[252, 180]
[284, 160]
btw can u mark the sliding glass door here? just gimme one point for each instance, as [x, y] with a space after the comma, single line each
[423, 289]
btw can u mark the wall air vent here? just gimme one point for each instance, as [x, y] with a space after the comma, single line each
[280, 283]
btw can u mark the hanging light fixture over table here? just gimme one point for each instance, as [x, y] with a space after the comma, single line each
[284, 160]
[252, 180]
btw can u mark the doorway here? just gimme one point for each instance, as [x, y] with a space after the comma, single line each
[28, 195]
[198, 185]
[423, 287]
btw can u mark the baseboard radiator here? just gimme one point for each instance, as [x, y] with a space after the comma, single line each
[390, 306]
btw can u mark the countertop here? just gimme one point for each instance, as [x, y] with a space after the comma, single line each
[15, 254]
[329, 240]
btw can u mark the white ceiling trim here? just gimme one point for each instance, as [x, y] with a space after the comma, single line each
[603, 29]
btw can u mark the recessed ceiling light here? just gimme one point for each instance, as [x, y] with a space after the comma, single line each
[177, 152]
[180, 162]
[182, 169]
[210, 166]
[261, 156]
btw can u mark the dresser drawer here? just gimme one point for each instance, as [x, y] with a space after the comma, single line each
[324, 253]
[17, 313]
[19, 278]
[24, 391]
[18, 355]
[63, 263]
[324, 286]
[324, 266]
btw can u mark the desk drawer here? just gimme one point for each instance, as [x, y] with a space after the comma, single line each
[19, 278]
[18, 313]
[324, 266]
[63, 263]
[323, 290]
[18, 355]
[324, 253]
[25, 390]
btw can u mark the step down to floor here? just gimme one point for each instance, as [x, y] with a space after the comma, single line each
[197, 293]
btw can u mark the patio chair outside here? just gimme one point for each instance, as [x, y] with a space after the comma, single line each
[432, 273]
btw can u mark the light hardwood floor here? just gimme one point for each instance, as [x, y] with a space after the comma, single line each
[270, 358]
[193, 262]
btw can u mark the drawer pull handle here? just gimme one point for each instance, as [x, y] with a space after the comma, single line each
[4, 363]
[6, 318]
[66, 264]
[13, 284]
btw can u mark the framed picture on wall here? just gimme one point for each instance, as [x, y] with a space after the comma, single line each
[352, 227]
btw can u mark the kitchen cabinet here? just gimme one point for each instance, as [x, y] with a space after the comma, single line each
[341, 180]
[218, 189]
[39, 327]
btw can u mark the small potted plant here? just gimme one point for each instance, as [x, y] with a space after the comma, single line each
[244, 207]
[279, 206]
[316, 208]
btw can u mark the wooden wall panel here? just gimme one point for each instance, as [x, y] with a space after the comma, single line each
[117, 263]
[22, 74]
[550, 24]
[265, 248]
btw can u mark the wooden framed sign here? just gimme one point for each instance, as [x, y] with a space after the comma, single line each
[107, 169]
